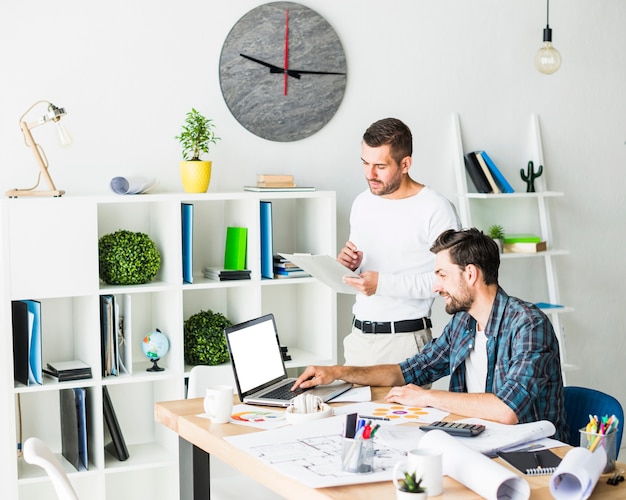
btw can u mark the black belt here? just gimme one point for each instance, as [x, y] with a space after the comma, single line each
[408, 325]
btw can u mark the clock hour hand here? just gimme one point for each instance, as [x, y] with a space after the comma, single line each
[273, 68]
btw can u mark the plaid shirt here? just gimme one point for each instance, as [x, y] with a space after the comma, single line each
[524, 367]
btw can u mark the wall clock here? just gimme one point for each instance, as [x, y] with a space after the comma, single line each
[282, 71]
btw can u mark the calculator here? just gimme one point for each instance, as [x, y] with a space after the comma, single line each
[455, 428]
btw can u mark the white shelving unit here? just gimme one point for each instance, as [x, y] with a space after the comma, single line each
[482, 210]
[49, 253]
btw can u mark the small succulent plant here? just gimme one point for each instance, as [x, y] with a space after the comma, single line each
[411, 484]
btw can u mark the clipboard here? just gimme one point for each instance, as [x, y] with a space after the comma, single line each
[325, 268]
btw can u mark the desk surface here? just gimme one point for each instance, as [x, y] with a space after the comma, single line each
[180, 416]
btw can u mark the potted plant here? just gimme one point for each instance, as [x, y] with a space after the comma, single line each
[496, 232]
[409, 487]
[127, 258]
[196, 137]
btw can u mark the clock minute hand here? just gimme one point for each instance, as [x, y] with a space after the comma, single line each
[305, 72]
[273, 68]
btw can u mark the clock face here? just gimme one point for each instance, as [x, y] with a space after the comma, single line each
[282, 71]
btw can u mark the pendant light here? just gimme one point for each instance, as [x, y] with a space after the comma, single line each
[547, 59]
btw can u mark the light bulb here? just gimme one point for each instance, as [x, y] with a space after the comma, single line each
[63, 136]
[547, 59]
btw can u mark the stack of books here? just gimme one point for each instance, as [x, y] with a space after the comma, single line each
[284, 268]
[485, 175]
[275, 180]
[219, 274]
[68, 370]
[523, 243]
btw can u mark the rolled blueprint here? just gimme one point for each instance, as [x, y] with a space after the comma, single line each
[473, 469]
[577, 474]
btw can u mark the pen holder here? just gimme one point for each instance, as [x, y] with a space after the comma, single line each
[357, 455]
[593, 440]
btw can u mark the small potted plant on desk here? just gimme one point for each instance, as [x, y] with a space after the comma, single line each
[195, 138]
[409, 487]
[496, 232]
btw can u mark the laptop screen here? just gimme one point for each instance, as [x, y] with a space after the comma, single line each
[255, 353]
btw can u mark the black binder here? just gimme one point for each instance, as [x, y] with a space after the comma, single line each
[116, 445]
[74, 427]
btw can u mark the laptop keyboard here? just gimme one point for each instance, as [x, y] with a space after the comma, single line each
[284, 392]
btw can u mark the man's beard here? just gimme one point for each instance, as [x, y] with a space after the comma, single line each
[459, 304]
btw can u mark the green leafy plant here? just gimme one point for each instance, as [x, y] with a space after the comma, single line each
[204, 340]
[496, 232]
[410, 483]
[127, 258]
[197, 135]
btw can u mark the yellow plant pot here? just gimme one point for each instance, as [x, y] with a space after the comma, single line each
[195, 175]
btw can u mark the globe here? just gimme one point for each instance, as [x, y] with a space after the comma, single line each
[154, 346]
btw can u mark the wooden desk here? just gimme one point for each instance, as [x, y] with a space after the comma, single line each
[180, 416]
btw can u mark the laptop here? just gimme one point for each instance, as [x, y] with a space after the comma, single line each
[259, 368]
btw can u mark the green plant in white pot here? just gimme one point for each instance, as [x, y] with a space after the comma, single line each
[196, 137]
[496, 232]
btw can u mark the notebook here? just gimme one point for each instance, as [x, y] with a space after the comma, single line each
[259, 368]
[532, 463]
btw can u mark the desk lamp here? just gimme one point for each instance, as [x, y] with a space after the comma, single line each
[53, 115]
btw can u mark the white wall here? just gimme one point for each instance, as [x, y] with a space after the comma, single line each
[128, 71]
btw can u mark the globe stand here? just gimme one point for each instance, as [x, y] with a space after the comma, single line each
[155, 367]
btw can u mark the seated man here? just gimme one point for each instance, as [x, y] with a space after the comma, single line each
[501, 353]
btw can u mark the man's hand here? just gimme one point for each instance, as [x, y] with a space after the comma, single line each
[366, 283]
[410, 394]
[350, 257]
[315, 375]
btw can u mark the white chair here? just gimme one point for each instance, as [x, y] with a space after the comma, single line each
[36, 452]
[227, 483]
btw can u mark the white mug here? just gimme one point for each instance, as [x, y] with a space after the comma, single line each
[428, 465]
[218, 403]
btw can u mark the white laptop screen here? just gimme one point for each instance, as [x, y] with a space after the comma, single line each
[255, 353]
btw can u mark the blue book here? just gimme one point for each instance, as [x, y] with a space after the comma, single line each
[501, 181]
[267, 252]
[35, 371]
[187, 230]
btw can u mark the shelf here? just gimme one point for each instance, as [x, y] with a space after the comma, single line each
[511, 196]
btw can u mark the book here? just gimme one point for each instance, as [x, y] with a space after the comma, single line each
[109, 348]
[274, 178]
[275, 184]
[525, 247]
[68, 370]
[547, 305]
[235, 248]
[521, 238]
[216, 273]
[26, 327]
[74, 427]
[476, 173]
[258, 189]
[483, 165]
[267, 248]
[286, 273]
[504, 185]
[115, 442]
[187, 230]
[532, 463]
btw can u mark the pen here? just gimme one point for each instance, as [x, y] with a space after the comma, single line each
[374, 417]
[537, 460]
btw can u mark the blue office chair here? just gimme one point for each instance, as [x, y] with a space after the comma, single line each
[580, 402]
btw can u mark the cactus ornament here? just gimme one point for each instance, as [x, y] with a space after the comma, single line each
[530, 176]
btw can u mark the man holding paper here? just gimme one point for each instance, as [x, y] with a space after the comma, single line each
[393, 223]
[501, 353]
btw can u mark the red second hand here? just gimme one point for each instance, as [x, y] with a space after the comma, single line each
[286, 65]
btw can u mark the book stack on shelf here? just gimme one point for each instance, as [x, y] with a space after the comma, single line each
[276, 182]
[68, 370]
[284, 268]
[523, 243]
[219, 274]
[485, 175]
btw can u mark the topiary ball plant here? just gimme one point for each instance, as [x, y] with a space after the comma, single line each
[205, 343]
[127, 258]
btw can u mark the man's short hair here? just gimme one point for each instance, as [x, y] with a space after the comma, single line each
[393, 132]
[471, 246]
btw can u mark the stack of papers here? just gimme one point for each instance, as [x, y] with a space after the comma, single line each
[68, 370]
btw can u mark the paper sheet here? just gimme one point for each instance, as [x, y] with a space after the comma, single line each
[486, 477]
[255, 416]
[325, 268]
[577, 474]
[393, 414]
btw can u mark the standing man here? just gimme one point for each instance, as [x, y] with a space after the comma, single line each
[392, 226]
[500, 352]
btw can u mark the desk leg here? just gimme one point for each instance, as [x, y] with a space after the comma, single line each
[193, 471]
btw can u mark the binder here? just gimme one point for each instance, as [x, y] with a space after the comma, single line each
[235, 248]
[532, 463]
[74, 427]
[267, 250]
[27, 364]
[187, 232]
[107, 335]
[115, 445]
